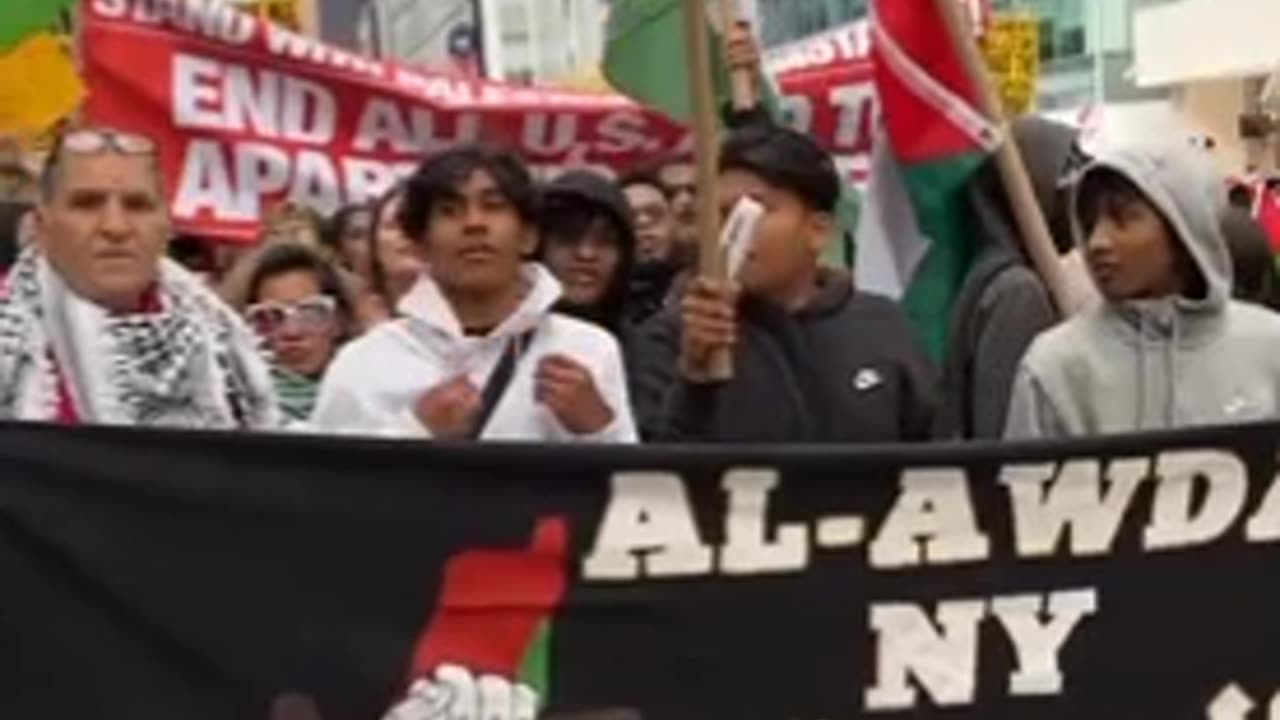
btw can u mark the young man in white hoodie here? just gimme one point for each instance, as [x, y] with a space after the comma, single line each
[477, 352]
[1168, 347]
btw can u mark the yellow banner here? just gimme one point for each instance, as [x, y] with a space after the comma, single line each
[39, 86]
[1012, 49]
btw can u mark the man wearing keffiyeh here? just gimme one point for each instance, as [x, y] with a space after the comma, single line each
[96, 326]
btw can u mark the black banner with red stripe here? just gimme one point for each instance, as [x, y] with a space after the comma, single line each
[170, 575]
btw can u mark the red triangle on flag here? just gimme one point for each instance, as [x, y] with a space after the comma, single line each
[928, 102]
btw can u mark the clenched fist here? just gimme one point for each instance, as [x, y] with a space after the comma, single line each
[709, 316]
[456, 693]
[568, 390]
[450, 410]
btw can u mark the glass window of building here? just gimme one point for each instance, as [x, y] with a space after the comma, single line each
[784, 21]
[1063, 26]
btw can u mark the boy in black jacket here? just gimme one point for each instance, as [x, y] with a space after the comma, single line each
[814, 359]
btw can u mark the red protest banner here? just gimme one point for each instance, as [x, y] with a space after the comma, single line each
[249, 114]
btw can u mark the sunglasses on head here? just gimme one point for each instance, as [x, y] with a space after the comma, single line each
[313, 314]
[95, 140]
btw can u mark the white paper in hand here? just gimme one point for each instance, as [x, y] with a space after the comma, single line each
[739, 233]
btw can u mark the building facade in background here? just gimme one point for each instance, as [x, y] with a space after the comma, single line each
[1086, 46]
[785, 21]
[522, 41]
[1219, 65]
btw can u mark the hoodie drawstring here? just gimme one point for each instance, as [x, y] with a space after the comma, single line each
[1171, 361]
[1140, 421]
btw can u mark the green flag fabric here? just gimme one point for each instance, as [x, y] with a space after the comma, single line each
[645, 56]
[914, 240]
[21, 18]
[645, 59]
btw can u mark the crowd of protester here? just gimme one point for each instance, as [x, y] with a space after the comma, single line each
[474, 302]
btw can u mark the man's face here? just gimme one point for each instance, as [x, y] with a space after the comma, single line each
[1131, 254]
[654, 222]
[789, 238]
[586, 265]
[476, 240]
[680, 180]
[105, 226]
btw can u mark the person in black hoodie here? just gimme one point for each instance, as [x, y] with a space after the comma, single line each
[814, 359]
[1003, 304]
[588, 242]
[1253, 265]
[657, 258]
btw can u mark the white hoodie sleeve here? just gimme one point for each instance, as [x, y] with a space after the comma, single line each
[342, 408]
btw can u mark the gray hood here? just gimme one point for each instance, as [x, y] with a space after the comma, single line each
[1189, 193]
[1159, 363]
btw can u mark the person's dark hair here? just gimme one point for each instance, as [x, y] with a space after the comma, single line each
[1251, 260]
[336, 226]
[1108, 193]
[785, 159]
[192, 252]
[439, 177]
[1240, 195]
[378, 273]
[571, 205]
[285, 257]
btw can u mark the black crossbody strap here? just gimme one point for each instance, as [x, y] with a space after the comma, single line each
[499, 379]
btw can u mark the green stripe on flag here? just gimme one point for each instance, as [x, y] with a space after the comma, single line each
[535, 669]
[645, 56]
[942, 211]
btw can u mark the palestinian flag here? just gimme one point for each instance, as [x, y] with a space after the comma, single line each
[914, 235]
[494, 613]
[645, 58]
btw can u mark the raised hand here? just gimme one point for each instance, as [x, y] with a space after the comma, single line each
[450, 410]
[568, 390]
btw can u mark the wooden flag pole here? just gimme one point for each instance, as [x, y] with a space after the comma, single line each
[1013, 173]
[706, 150]
[742, 85]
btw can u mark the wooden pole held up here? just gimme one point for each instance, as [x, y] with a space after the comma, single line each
[1013, 173]
[711, 264]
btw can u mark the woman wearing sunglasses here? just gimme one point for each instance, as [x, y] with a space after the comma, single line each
[297, 302]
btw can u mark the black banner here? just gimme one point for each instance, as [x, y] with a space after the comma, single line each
[167, 575]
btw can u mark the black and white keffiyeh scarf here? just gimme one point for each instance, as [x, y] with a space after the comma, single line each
[190, 364]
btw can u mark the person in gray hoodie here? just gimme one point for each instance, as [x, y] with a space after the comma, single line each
[1003, 305]
[1167, 347]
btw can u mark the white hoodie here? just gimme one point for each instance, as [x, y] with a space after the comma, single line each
[375, 381]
